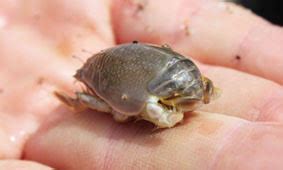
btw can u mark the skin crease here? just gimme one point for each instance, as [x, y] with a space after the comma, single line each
[241, 130]
[23, 165]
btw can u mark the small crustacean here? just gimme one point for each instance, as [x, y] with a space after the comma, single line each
[143, 81]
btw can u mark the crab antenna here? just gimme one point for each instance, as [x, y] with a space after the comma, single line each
[78, 58]
[86, 51]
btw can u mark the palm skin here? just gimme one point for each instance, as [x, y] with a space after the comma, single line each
[240, 130]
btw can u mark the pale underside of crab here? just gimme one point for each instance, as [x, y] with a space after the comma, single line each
[141, 81]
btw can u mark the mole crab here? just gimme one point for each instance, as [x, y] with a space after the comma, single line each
[143, 81]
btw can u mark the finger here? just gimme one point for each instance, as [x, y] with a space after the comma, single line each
[244, 95]
[23, 165]
[213, 32]
[68, 27]
[37, 41]
[203, 141]
[14, 134]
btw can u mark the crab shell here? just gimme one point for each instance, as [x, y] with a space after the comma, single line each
[128, 75]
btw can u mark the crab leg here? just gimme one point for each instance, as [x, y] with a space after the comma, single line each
[83, 101]
[93, 102]
[161, 116]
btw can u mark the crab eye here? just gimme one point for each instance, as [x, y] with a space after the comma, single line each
[208, 90]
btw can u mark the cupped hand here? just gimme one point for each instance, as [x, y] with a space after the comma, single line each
[239, 51]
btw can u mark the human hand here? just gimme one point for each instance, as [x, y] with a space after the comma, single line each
[240, 130]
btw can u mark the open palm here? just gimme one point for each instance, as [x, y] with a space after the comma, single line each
[240, 52]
